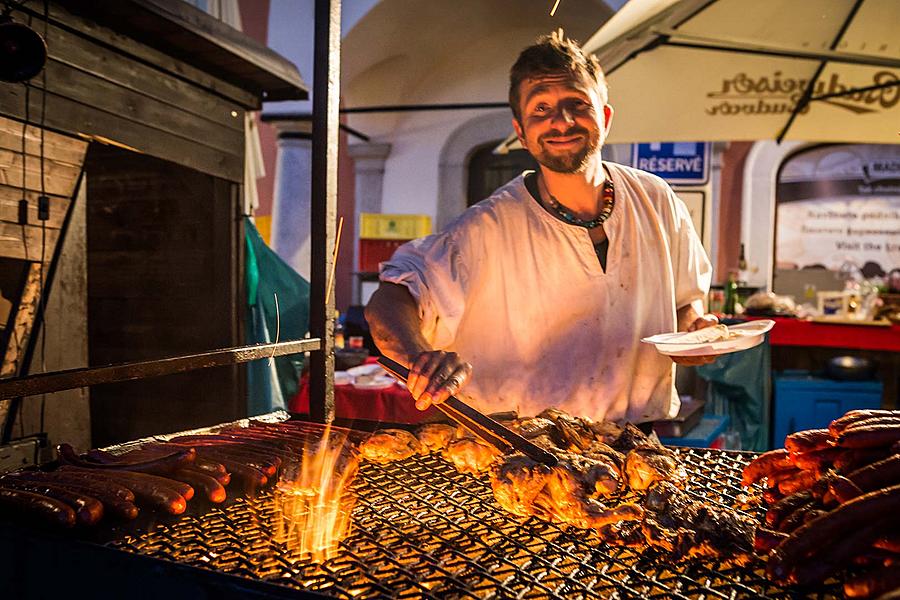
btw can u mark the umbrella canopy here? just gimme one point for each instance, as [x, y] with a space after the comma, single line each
[723, 70]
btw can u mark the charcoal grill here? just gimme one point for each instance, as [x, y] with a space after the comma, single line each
[423, 530]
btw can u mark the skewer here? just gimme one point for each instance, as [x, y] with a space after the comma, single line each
[334, 255]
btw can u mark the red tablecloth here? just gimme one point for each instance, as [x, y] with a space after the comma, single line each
[794, 332]
[390, 405]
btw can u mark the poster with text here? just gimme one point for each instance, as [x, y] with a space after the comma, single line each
[838, 205]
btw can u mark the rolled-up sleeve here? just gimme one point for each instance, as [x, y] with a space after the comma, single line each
[434, 270]
[691, 266]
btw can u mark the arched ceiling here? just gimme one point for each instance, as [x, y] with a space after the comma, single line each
[404, 51]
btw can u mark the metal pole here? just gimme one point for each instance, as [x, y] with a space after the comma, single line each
[325, 124]
[44, 383]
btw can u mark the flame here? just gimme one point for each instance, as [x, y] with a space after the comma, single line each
[312, 499]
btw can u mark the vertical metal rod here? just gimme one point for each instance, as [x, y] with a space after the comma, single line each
[325, 124]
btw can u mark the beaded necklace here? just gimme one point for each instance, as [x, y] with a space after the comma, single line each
[609, 201]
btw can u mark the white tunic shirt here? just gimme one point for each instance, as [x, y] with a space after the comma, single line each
[521, 295]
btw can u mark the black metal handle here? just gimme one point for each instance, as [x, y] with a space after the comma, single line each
[492, 432]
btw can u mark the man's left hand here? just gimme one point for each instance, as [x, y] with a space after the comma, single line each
[694, 361]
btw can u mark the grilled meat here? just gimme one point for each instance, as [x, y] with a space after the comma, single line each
[516, 481]
[386, 445]
[647, 465]
[435, 437]
[534, 428]
[686, 527]
[470, 456]
[576, 432]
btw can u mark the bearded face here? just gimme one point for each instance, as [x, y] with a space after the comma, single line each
[564, 122]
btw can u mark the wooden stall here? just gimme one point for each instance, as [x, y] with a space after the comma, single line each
[143, 106]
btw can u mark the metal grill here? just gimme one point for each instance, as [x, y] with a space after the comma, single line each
[423, 530]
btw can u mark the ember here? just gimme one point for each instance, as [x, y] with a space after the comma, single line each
[312, 500]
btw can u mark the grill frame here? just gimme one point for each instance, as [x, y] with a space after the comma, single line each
[399, 506]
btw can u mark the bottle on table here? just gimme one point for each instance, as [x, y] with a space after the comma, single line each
[731, 288]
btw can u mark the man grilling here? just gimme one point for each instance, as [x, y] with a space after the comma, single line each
[539, 295]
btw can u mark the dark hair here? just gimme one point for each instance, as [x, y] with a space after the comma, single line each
[552, 54]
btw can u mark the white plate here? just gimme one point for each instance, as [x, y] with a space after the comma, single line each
[343, 378]
[750, 334]
[373, 369]
[379, 382]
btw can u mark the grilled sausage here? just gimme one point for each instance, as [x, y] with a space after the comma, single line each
[802, 480]
[832, 557]
[808, 440]
[212, 490]
[49, 510]
[854, 515]
[93, 485]
[843, 489]
[764, 540]
[796, 518]
[269, 465]
[781, 509]
[157, 492]
[212, 468]
[881, 474]
[764, 464]
[230, 460]
[88, 510]
[250, 479]
[854, 416]
[170, 462]
[816, 460]
[871, 436]
[874, 583]
[854, 458]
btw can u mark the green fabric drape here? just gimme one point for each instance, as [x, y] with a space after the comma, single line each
[271, 383]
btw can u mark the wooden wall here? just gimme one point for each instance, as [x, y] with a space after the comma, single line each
[105, 86]
[22, 239]
[164, 279]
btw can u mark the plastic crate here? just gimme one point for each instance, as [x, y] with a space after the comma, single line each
[377, 226]
[372, 252]
[803, 401]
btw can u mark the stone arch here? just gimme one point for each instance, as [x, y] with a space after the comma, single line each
[454, 158]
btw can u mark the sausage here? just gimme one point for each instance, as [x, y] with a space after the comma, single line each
[843, 489]
[873, 421]
[67, 455]
[229, 460]
[802, 480]
[95, 486]
[855, 515]
[854, 458]
[88, 510]
[883, 473]
[157, 492]
[832, 557]
[871, 436]
[250, 478]
[269, 465]
[50, 510]
[764, 540]
[764, 464]
[786, 506]
[772, 495]
[212, 490]
[263, 447]
[212, 468]
[855, 416]
[808, 440]
[796, 518]
[874, 583]
[816, 460]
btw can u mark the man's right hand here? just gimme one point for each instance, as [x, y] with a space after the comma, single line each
[435, 376]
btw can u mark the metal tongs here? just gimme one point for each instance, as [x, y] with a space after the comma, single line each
[501, 437]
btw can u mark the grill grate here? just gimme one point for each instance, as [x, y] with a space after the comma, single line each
[423, 530]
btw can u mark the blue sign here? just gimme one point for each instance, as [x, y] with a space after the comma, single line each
[677, 162]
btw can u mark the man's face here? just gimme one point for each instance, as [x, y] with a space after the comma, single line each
[564, 122]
